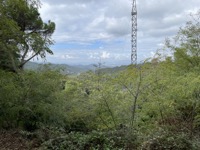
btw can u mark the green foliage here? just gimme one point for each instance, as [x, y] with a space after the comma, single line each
[169, 141]
[186, 48]
[9, 35]
[94, 140]
[22, 32]
[30, 100]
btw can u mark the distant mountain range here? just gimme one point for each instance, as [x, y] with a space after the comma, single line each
[71, 69]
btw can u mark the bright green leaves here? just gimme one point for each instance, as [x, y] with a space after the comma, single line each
[186, 47]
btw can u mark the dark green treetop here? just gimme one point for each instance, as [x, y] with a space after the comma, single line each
[23, 34]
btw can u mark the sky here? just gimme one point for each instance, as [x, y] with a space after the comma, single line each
[99, 31]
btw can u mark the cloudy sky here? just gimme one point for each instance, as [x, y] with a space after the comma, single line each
[92, 31]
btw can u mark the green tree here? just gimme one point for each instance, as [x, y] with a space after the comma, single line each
[186, 46]
[23, 34]
[9, 35]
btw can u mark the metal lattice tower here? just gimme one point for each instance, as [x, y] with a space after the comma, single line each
[134, 34]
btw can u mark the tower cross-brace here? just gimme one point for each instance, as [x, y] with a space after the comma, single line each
[134, 34]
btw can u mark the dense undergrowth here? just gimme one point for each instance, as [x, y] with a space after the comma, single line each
[150, 107]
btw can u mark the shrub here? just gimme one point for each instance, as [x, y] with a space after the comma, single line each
[114, 140]
[169, 141]
[30, 100]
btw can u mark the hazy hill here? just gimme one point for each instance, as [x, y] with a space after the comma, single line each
[64, 68]
[111, 70]
[71, 69]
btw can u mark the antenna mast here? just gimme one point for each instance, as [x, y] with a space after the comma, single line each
[134, 34]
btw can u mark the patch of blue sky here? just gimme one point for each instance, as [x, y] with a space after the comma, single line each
[87, 45]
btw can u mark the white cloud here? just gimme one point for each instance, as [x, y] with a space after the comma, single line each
[67, 56]
[83, 22]
[105, 55]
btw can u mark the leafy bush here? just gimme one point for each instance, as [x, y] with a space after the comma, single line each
[169, 141]
[114, 140]
[30, 100]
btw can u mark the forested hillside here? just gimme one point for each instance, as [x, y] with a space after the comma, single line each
[154, 105]
[62, 68]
